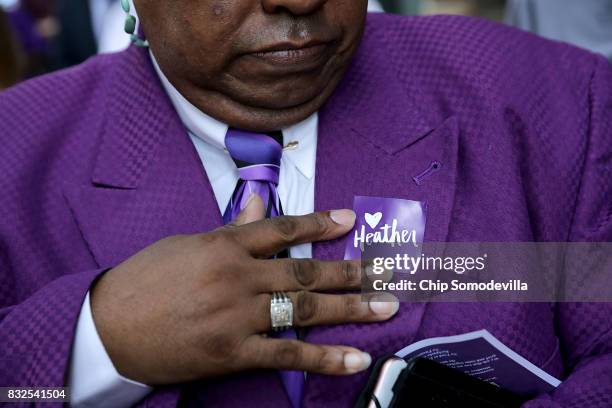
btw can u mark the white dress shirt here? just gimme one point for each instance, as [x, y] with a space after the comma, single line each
[94, 381]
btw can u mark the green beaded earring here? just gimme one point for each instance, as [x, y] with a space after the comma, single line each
[130, 25]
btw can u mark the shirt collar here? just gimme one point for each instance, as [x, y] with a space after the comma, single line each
[213, 132]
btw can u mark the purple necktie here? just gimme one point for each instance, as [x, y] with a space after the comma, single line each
[258, 158]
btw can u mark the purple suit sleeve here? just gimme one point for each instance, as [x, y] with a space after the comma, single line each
[585, 329]
[36, 335]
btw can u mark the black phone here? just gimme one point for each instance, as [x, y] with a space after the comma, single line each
[425, 383]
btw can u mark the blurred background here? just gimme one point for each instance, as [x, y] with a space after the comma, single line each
[39, 36]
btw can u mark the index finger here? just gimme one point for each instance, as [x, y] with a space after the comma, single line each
[267, 237]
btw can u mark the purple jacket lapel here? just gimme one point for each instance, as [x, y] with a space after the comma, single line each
[372, 147]
[148, 182]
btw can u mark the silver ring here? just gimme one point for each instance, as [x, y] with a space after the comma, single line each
[281, 311]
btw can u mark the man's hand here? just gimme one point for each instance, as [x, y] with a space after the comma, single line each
[198, 306]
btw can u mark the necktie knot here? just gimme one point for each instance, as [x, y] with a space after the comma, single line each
[257, 155]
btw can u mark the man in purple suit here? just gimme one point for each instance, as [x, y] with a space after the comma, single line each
[119, 279]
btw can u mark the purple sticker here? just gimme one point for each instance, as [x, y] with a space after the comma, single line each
[395, 224]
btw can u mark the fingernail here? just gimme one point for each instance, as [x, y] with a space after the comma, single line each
[343, 217]
[384, 308]
[356, 361]
[249, 200]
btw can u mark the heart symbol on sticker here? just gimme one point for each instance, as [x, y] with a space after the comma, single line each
[373, 219]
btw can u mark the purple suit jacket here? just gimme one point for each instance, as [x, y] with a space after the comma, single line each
[96, 165]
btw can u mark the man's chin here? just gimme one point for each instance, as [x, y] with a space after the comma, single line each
[260, 119]
[287, 94]
[284, 91]
[264, 120]
[263, 107]
[287, 102]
